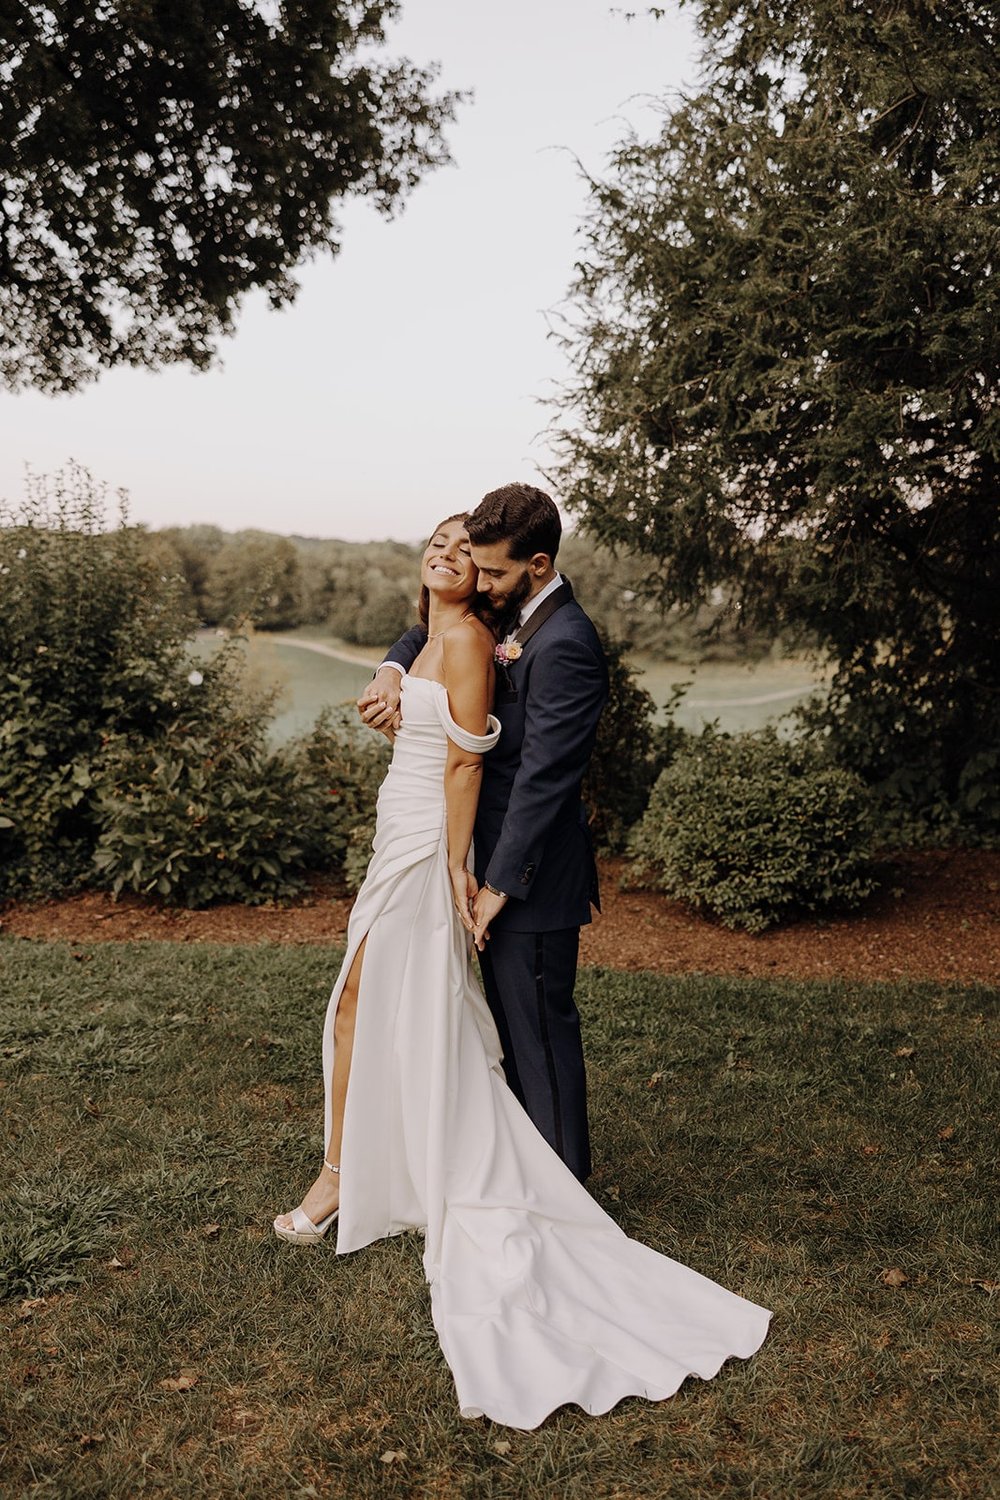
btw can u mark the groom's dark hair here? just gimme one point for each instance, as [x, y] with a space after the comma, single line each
[520, 515]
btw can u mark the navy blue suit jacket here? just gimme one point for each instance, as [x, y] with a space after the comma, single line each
[531, 838]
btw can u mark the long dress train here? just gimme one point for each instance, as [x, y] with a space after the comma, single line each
[537, 1296]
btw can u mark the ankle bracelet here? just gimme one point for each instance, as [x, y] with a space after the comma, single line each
[330, 1167]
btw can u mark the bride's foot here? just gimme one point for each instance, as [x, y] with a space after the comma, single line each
[318, 1210]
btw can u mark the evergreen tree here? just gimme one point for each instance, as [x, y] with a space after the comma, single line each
[786, 339]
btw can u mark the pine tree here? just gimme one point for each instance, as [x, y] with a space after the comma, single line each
[785, 332]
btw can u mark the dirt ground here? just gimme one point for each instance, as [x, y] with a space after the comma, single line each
[936, 917]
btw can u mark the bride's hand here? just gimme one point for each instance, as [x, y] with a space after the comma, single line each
[378, 706]
[464, 889]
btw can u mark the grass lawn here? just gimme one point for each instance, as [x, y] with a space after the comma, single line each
[309, 682]
[795, 1141]
[739, 696]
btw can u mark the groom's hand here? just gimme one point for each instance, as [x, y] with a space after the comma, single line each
[487, 905]
[378, 706]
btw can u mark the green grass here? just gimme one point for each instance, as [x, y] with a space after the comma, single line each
[738, 695]
[309, 682]
[795, 1141]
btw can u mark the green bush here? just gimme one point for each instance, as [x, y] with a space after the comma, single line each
[205, 809]
[932, 784]
[630, 752]
[92, 647]
[755, 829]
[125, 762]
[210, 812]
[339, 768]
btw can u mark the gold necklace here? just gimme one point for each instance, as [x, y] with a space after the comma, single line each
[467, 616]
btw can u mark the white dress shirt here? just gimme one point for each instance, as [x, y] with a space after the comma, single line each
[530, 605]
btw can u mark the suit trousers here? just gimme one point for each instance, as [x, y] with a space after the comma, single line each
[528, 978]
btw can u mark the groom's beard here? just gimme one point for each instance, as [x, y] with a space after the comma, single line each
[508, 611]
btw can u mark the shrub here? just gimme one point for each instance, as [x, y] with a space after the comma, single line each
[210, 812]
[930, 785]
[630, 752]
[755, 829]
[92, 646]
[339, 767]
[205, 810]
[124, 761]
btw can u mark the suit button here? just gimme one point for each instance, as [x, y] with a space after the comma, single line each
[526, 874]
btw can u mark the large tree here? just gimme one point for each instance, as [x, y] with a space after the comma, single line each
[785, 331]
[161, 158]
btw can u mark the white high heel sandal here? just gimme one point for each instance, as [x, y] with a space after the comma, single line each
[302, 1230]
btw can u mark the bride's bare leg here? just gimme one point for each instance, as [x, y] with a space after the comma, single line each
[324, 1195]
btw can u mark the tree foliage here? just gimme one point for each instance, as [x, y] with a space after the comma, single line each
[365, 592]
[785, 332]
[159, 161]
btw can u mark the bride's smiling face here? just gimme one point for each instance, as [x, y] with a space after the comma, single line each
[447, 568]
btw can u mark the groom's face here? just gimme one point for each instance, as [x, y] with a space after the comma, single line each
[505, 583]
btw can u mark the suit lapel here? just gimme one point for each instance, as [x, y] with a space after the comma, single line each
[506, 691]
[558, 597]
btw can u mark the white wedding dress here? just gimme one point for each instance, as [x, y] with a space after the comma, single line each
[538, 1298]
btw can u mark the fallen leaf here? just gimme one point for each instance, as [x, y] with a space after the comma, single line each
[655, 1081]
[392, 1456]
[615, 1193]
[92, 1107]
[29, 1307]
[989, 1287]
[894, 1277]
[871, 1150]
[183, 1382]
[90, 1439]
[904, 1051]
[501, 1446]
[210, 1231]
[947, 1133]
[120, 1262]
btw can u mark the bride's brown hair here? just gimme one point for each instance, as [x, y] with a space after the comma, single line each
[479, 604]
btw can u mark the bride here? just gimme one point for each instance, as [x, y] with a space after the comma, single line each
[537, 1296]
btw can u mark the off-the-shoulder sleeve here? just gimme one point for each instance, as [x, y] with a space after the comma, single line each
[479, 743]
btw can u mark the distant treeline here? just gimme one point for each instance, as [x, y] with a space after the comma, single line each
[365, 592]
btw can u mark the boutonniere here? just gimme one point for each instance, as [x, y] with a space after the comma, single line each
[506, 652]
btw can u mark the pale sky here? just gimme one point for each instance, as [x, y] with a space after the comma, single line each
[405, 380]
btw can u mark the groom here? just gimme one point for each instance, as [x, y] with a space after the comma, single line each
[534, 861]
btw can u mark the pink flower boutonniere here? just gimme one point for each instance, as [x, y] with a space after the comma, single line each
[506, 652]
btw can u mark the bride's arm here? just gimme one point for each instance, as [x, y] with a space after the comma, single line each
[468, 679]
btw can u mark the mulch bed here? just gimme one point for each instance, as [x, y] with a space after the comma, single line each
[936, 917]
